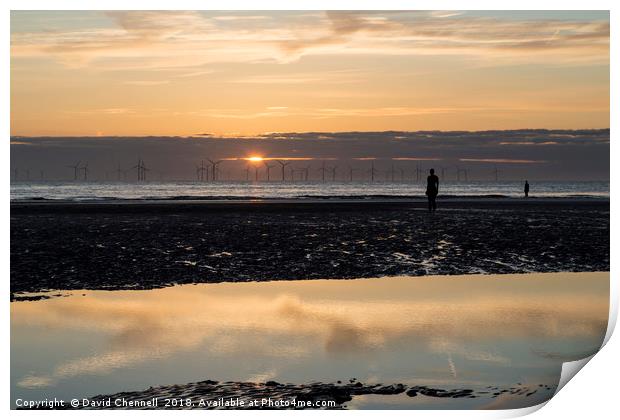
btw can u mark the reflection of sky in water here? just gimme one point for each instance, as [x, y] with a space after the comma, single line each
[437, 331]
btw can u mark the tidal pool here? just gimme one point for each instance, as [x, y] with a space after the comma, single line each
[473, 331]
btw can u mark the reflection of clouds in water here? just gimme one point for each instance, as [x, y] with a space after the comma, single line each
[461, 349]
[262, 377]
[99, 364]
[452, 366]
[104, 363]
[564, 356]
[298, 318]
[33, 381]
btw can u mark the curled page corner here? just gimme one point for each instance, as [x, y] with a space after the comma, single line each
[521, 412]
[569, 370]
[613, 312]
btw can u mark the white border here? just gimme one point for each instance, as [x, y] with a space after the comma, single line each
[592, 394]
[309, 5]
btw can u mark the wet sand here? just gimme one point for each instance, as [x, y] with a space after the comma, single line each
[138, 244]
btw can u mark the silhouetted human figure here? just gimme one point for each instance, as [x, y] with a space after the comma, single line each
[526, 189]
[432, 189]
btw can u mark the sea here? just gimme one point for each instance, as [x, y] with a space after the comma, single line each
[237, 190]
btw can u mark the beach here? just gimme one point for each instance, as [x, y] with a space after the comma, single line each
[331, 303]
[144, 244]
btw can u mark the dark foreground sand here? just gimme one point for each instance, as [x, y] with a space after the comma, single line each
[141, 245]
[273, 395]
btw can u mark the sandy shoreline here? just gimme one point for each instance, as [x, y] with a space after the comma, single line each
[149, 244]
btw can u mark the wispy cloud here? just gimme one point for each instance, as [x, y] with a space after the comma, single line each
[147, 39]
[229, 18]
[104, 111]
[501, 160]
[326, 113]
[529, 143]
[147, 82]
[278, 79]
[332, 77]
[195, 73]
[416, 158]
[446, 33]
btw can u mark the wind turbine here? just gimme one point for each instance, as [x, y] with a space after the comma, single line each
[418, 173]
[332, 169]
[144, 171]
[75, 170]
[214, 169]
[306, 170]
[373, 171]
[295, 171]
[284, 164]
[496, 173]
[268, 168]
[460, 171]
[303, 172]
[141, 170]
[85, 169]
[443, 172]
[351, 169]
[323, 168]
[391, 172]
[200, 171]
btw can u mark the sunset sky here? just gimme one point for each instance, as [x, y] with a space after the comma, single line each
[97, 73]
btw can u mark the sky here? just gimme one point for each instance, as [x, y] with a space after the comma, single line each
[231, 74]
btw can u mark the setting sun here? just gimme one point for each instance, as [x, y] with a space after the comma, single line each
[255, 159]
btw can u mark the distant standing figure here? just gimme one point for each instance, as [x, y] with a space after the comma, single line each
[432, 189]
[526, 190]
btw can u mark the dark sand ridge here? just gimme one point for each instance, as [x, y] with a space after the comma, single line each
[138, 244]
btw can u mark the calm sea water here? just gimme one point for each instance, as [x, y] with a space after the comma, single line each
[444, 331]
[226, 189]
